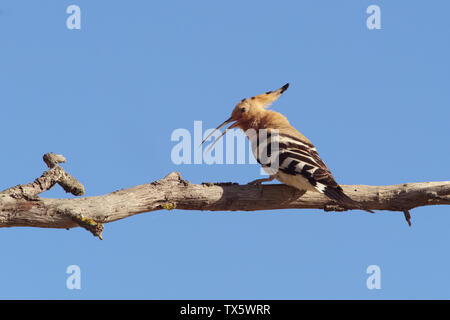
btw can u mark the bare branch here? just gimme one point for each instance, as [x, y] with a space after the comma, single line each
[20, 206]
[48, 179]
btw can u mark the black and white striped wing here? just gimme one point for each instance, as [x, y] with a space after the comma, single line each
[298, 159]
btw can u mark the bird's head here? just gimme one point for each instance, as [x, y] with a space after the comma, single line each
[249, 109]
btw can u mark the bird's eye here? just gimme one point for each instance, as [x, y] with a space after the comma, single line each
[243, 109]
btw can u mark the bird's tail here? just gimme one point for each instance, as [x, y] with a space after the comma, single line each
[338, 195]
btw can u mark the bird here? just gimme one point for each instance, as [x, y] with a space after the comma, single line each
[294, 160]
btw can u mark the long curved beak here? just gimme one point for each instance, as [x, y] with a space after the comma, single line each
[234, 125]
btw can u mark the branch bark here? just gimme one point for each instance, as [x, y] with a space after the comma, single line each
[21, 206]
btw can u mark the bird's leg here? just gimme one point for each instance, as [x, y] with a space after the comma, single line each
[259, 181]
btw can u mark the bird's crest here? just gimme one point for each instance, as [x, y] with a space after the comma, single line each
[266, 99]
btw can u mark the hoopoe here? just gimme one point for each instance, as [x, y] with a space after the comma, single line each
[297, 162]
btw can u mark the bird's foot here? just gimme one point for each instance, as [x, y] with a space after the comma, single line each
[258, 182]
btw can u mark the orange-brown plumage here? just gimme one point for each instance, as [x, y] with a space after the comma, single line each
[297, 161]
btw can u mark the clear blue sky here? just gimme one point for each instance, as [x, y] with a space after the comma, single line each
[376, 103]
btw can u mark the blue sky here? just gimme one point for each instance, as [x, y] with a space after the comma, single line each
[109, 96]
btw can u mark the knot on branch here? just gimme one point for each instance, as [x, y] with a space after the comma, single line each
[52, 160]
[334, 207]
[173, 177]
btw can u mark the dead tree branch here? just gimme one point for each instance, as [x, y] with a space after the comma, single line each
[21, 205]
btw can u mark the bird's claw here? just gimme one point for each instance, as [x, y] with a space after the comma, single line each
[258, 183]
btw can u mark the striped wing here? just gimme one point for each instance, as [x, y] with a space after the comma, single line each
[298, 158]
